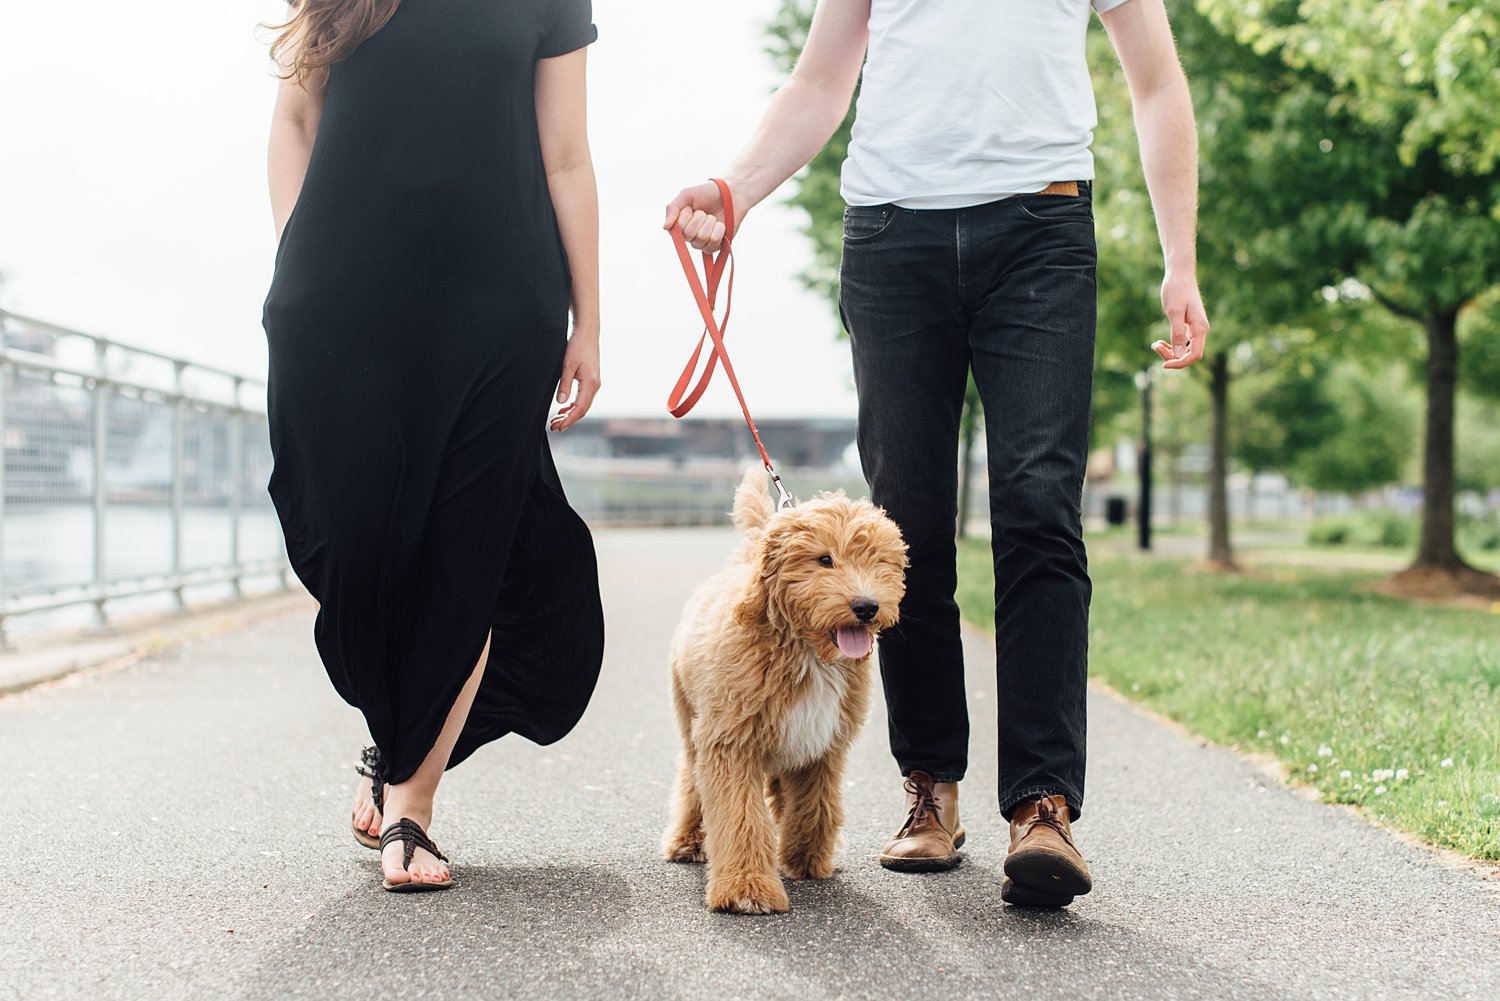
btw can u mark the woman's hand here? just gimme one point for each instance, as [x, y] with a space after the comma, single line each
[580, 379]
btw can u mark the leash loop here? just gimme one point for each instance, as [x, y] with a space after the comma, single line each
[685, 393]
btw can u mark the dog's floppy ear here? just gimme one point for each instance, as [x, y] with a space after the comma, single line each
[753, 609]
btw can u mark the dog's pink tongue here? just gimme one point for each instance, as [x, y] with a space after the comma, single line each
[854, 641]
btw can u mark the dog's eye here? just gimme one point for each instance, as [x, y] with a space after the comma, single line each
[826, 561]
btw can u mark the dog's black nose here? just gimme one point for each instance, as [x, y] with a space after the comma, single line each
[864, 609]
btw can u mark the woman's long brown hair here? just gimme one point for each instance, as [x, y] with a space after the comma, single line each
[321, 32]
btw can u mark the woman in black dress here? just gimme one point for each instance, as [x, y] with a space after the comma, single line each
[445, 221]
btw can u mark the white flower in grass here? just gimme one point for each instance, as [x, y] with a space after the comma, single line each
[1262, 734]
[1325, 751]
[1381, 774]
[1313, 769]
[1380, 790]
[1446, 763]
[1345, 774]
[1402, 775]
[1285, 740]
[1442, 803]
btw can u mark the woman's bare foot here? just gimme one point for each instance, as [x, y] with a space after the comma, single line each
[365, 817]
[425, 867]
[412, 798]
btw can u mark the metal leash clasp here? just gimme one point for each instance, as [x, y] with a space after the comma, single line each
[787, 501]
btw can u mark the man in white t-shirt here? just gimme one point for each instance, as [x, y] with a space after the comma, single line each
[969, 246]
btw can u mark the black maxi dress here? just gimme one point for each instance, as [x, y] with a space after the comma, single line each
[416, 326]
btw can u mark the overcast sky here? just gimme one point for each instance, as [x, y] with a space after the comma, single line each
[133, 201]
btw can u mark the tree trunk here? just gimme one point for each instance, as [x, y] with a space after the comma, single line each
[1143, 467]
[966, 474]
[1436, 551]
[1219, 551]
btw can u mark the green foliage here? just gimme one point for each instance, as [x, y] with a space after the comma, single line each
[1282, 416]
[1364, 528]
[1479, 347]
[1375, 702]
[1366, 438]
[1481, 533]
[1412, 206]
[1478, 466]
[1424, 69]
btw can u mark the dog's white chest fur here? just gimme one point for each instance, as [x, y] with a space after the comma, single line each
[810, 726]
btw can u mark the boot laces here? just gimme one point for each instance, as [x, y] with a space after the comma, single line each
[1047, 815]
[926, 804]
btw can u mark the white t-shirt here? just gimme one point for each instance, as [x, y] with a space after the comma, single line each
[967, 101]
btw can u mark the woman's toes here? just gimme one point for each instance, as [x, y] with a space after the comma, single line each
[391, 865]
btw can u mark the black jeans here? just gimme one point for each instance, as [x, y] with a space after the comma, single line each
[1008, 290]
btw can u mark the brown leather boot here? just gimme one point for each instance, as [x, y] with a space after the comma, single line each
[1044, 868]
[932, 835]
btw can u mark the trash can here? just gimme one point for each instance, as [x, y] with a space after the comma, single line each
[1114, 510]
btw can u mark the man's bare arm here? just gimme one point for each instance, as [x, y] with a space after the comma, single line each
[802, 116]
[1169, 153]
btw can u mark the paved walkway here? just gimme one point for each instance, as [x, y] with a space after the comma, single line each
[177, 829]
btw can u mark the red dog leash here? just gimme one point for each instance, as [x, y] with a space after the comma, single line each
[705, 292]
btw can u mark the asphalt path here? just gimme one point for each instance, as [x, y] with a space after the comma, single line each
[178, 829]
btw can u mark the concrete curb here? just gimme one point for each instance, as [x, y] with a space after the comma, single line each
[37, 660]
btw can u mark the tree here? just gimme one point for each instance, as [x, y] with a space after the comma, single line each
[1420, 227]
[1423, 68]
[970, 423]
[1260, 125]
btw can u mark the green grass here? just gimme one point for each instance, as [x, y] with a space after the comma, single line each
[1385, 704]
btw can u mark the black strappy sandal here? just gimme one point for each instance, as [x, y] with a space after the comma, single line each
[369, 767]
[410, 833]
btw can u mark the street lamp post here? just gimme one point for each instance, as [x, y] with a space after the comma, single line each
[1143, 380]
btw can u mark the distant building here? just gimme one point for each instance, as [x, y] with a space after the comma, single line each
[818, 443]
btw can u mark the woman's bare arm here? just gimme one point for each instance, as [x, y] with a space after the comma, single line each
[294, 126]
[562, 124]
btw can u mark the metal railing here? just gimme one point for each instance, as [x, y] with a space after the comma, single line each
[126, 472]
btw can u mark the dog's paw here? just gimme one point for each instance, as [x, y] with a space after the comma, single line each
[808, 866]
[747, 895]
[684, 847]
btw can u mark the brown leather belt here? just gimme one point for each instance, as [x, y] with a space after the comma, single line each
[1059, 188]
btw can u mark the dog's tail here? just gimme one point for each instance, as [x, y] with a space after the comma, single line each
[752, 504]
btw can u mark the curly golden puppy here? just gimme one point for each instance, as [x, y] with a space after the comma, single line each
[771, 682]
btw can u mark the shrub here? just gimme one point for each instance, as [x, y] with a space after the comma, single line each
[1480, 533]
[1329, 532]
[1364, 528]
